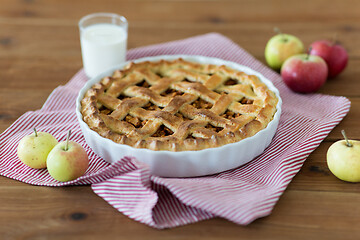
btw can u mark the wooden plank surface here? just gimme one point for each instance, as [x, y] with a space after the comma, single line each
[40, 50]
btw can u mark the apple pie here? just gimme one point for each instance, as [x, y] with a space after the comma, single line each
[177, 105]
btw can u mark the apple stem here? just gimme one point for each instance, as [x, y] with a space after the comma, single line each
[67, 140]
[35, 132]
[308, 53]
[346, 139]
[277, 30]
[334, 40]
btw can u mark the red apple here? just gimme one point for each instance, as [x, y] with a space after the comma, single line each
[333, 53]
[304, 73]
[67, 161]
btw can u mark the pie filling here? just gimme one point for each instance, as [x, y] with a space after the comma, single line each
[196, 106]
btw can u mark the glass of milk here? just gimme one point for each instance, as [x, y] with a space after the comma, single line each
[103, 38]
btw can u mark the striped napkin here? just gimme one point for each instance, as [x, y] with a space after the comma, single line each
[240, 195]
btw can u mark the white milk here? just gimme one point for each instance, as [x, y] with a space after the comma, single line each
[103, 46]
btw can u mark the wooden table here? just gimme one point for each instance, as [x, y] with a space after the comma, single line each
[40, 49]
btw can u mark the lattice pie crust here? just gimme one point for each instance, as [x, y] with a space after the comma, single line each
[178, 106]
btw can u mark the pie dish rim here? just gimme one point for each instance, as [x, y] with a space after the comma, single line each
[171, 164]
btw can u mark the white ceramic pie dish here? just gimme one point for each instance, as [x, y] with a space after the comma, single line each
[185, 163]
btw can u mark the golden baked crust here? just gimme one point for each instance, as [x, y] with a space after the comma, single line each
[178, 105]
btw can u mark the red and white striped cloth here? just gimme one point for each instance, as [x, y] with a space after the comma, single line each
[240, 195]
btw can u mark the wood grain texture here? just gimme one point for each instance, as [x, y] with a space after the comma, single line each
[40, 50]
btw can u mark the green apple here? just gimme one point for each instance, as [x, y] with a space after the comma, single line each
[67, 161]
[343, 159]
[34, 149]
[280, 47]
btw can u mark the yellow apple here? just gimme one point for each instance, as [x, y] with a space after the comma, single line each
[280, 47]
[343, 159]
[67, 161]
[34, 149]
